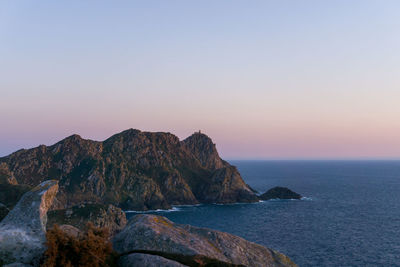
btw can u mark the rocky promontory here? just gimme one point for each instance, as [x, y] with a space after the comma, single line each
[132, 170]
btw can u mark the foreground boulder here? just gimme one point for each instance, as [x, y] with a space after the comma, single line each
[280, 193]
[191, 246]
[22, 231]
[104, 216]
[147, 260]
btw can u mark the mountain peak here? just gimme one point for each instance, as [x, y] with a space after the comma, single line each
[73, 138]
[202, 146]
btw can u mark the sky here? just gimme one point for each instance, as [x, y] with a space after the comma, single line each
[264, 79]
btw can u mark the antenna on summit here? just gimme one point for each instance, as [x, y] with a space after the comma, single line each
[199, 131]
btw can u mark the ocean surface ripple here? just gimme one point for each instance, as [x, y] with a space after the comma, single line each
[350, 215]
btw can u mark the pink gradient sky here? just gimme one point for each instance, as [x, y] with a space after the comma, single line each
[265, 80]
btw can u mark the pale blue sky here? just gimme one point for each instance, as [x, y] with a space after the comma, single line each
[265, 79]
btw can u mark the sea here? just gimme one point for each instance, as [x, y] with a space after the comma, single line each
[349, 215]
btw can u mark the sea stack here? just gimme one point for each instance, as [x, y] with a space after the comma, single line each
[280, 193]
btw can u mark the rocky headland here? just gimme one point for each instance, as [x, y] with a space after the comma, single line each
[132, 170]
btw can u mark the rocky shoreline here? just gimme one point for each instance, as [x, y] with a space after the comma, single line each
[146, 240]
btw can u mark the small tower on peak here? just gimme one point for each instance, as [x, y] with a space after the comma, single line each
[199, 131]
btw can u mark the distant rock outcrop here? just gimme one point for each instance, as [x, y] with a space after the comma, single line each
[22, 231]
[280, 193]
[132, 170]
[192, 246]
[6, 176]
[107, 216]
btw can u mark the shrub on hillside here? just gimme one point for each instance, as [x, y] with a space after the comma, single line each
[90, 248]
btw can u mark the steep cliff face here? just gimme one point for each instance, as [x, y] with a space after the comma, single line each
[133, 170]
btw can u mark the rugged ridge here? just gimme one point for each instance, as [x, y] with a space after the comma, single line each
[132, 170]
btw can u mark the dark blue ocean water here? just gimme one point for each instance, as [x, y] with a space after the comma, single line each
[352, 216]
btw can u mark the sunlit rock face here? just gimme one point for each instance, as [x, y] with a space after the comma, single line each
[22, 231]
[132, 170]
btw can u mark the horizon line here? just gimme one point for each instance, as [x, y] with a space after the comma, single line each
[313, 159]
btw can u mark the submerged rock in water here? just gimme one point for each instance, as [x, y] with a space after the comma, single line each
[280, 193]
[188, 245]
[22, 231]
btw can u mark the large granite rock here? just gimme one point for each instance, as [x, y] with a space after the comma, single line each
[146, 260]
[156, 235]
[280, 193]
[133, 170]
[107, 216]
[22, 231]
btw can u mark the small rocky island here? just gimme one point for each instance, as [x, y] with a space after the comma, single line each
[280, 193]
